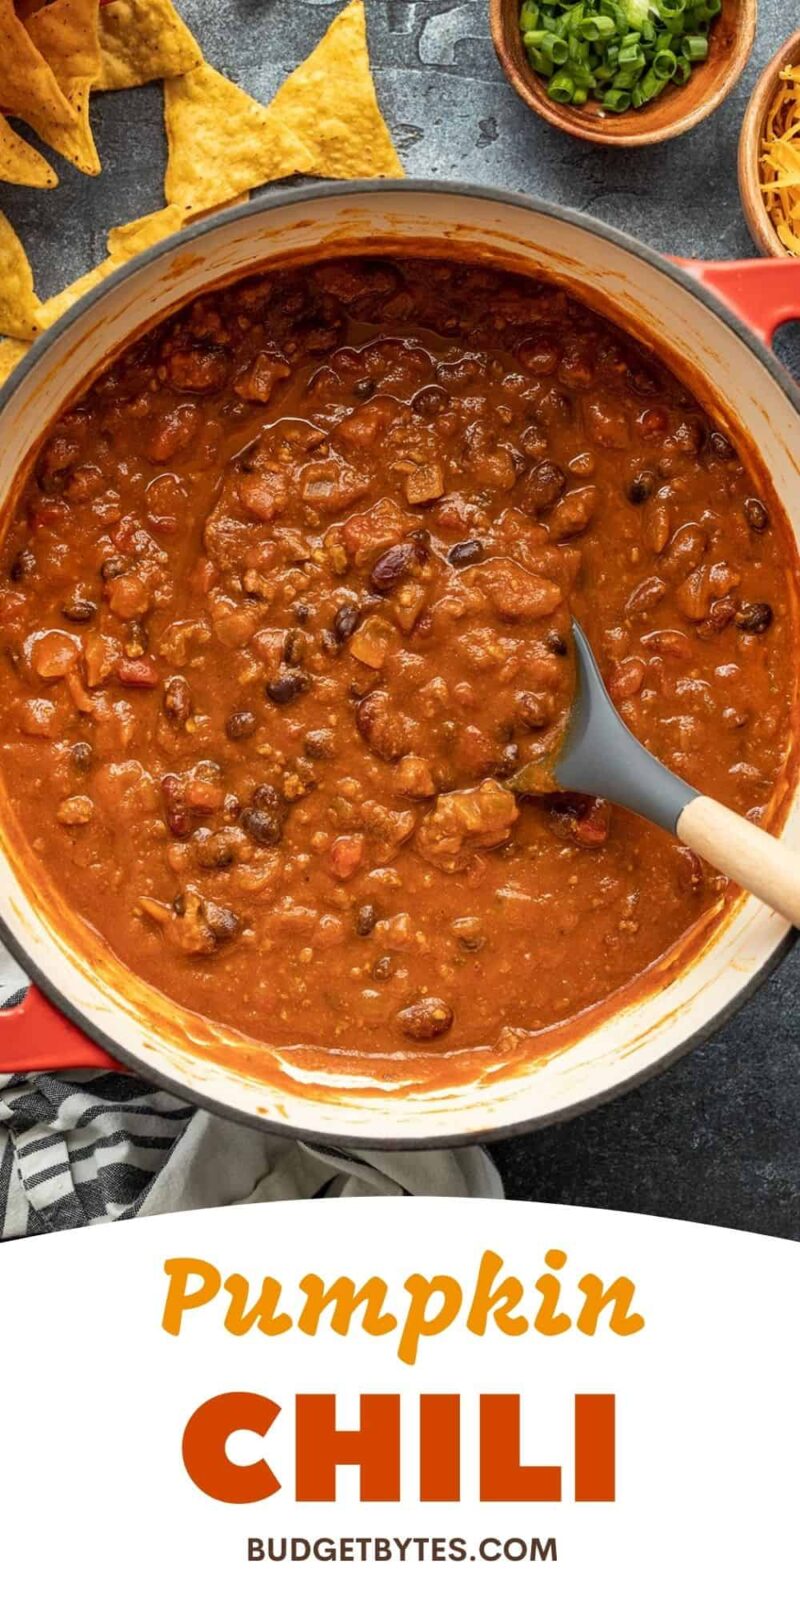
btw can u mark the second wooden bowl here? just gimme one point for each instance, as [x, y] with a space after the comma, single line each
[675, 111]
[756, 214]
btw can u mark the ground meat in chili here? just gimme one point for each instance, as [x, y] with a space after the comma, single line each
[286, 598]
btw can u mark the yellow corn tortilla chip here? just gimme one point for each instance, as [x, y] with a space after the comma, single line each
[19, 303]
[28, 87]
[20, 163]
[329, 105]
[221, 141]
[11, 352]
[324, 120]
[129, 238]
[141, 40]
[67, 35]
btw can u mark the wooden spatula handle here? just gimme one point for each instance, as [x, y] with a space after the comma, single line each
[745, 853]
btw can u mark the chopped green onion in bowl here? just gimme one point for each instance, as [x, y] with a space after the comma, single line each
[620, 53]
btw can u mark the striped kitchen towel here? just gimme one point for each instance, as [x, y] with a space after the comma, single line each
[78, 1148]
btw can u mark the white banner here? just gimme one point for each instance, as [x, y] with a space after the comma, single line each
[589, 1402]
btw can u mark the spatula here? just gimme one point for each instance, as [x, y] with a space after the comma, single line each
[600, 756]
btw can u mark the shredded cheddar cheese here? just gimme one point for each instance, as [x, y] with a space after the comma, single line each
[780, 161]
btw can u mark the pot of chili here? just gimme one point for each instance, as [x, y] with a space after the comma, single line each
[296, 510]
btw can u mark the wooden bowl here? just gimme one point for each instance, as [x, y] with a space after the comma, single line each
[675, 111]
[756, 215]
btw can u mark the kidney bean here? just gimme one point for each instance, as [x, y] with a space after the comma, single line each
[427, 1018]
[391, 567]
[138, 674]
[626, 678]
[177, 700]
[645, 596]
[721, 613]
[241, 725]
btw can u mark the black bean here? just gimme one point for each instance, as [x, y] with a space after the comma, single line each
[345, 622]
[264, 827]
[224, 924]
[81, 756]
[113, 567]
[428, 1018]
[78, 609]
[430, 401]
[754, 616]
[556, 644]
[721, 446]
[641, 488]
[383, 968]
[22, 566]
[177, 700]
[241, 725]
[391, 567]
[287, 687]
[366, 918]
[319, 744]
[756, 514]
[364, 388]
[466, 553]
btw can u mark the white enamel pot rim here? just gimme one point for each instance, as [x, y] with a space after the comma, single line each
[638, 1040]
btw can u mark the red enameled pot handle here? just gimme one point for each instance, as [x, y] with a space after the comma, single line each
[34, 1036]
[763, 293]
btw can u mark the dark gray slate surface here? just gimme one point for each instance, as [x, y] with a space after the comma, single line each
[718, 1138]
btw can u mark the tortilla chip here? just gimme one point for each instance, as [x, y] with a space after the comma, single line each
[11, 352]
[324, 120]
[19, 303]
[28, 87]
[66, 33]
[221, 141]
[50, 310]
[141, 40]
[20, 163]
[329, 105]
[129, 238]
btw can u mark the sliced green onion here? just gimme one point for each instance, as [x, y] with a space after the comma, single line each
[695, 47]
[665, 64]
[561, 88]
[594, 28]
[617, 100]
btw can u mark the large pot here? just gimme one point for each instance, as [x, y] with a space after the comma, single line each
[110, 1017]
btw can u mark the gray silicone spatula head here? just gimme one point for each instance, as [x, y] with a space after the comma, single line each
[600, 756]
